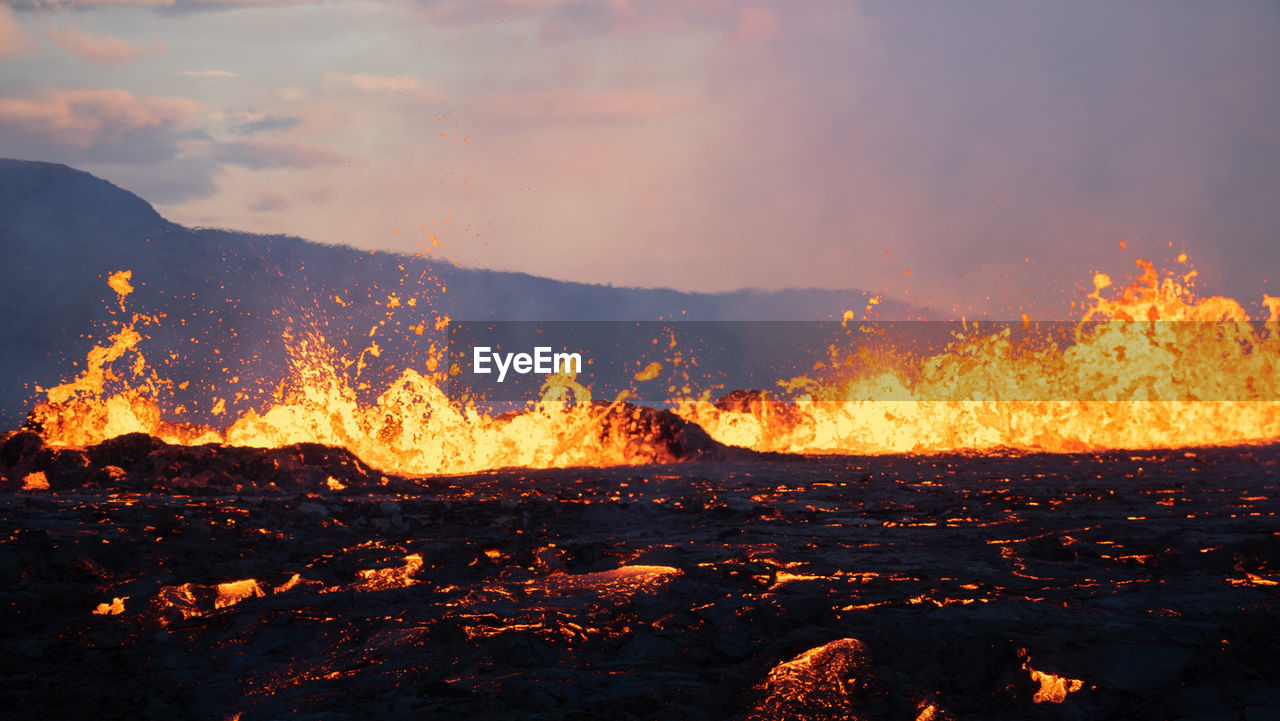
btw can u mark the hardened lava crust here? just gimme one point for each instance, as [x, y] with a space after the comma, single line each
[145, 580]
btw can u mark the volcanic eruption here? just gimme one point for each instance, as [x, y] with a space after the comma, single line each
[1153, 366]
[1081, 520]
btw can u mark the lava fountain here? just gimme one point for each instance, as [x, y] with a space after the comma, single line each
[1154, 367]
[1151, 366]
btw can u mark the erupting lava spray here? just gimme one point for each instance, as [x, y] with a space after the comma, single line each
[1155, 367]
[1151, 366]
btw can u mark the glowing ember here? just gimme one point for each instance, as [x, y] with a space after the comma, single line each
[119, 282]
[233, 592]
[1253, 579]
[1053, 689]
[191, 600]
[379, 579]
[180, 599]
[115, 608]
[35, 481]
[813, 685]
[621, 581]
[289, 585]
[649, 372]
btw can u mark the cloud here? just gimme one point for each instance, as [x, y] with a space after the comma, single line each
[576, 106]
[14, 42]
[568, 19]
[482, 11]
[174, 180]
[209, 74]
[172, 7]
[252, 122]
[755, 24]
[144, 143]
[241, 3]
[101, 49]
[265, 124]
[263, 153]
[45, 4]
[764, 142]
[87, 125]
[404, 85]
[292, 93]
[268, 202]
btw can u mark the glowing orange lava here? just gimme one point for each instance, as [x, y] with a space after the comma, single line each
[35, 481]
[1107, 388]
[380, 579]
[1053, 689]
[115, 608]
[233, 592]
[1155, 367]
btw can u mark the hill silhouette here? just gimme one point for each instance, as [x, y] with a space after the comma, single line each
[228, 298]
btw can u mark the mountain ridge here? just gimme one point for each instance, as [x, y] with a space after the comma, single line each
[230, 297]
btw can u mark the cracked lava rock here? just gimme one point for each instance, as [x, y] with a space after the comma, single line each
[143, 580]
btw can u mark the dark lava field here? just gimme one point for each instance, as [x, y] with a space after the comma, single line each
[145, 581]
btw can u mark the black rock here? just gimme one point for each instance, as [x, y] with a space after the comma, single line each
[124, 451]
[19, 447]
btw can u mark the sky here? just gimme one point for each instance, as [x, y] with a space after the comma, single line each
[977, 157]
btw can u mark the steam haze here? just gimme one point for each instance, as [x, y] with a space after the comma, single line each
[999, 151]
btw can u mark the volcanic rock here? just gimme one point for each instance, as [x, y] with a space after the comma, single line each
[139, 461]
[20, 446]
[67, 468]
[897, 587]
[816, 685]
[124, 451]
[744, 401]
[663, 435]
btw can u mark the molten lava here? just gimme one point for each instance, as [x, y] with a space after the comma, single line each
[1053, 688]
[35, 481]
[1156, 367]
[233, 592]
[379, 579]
[1153, 366]
[411, 428]
[816, 684]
